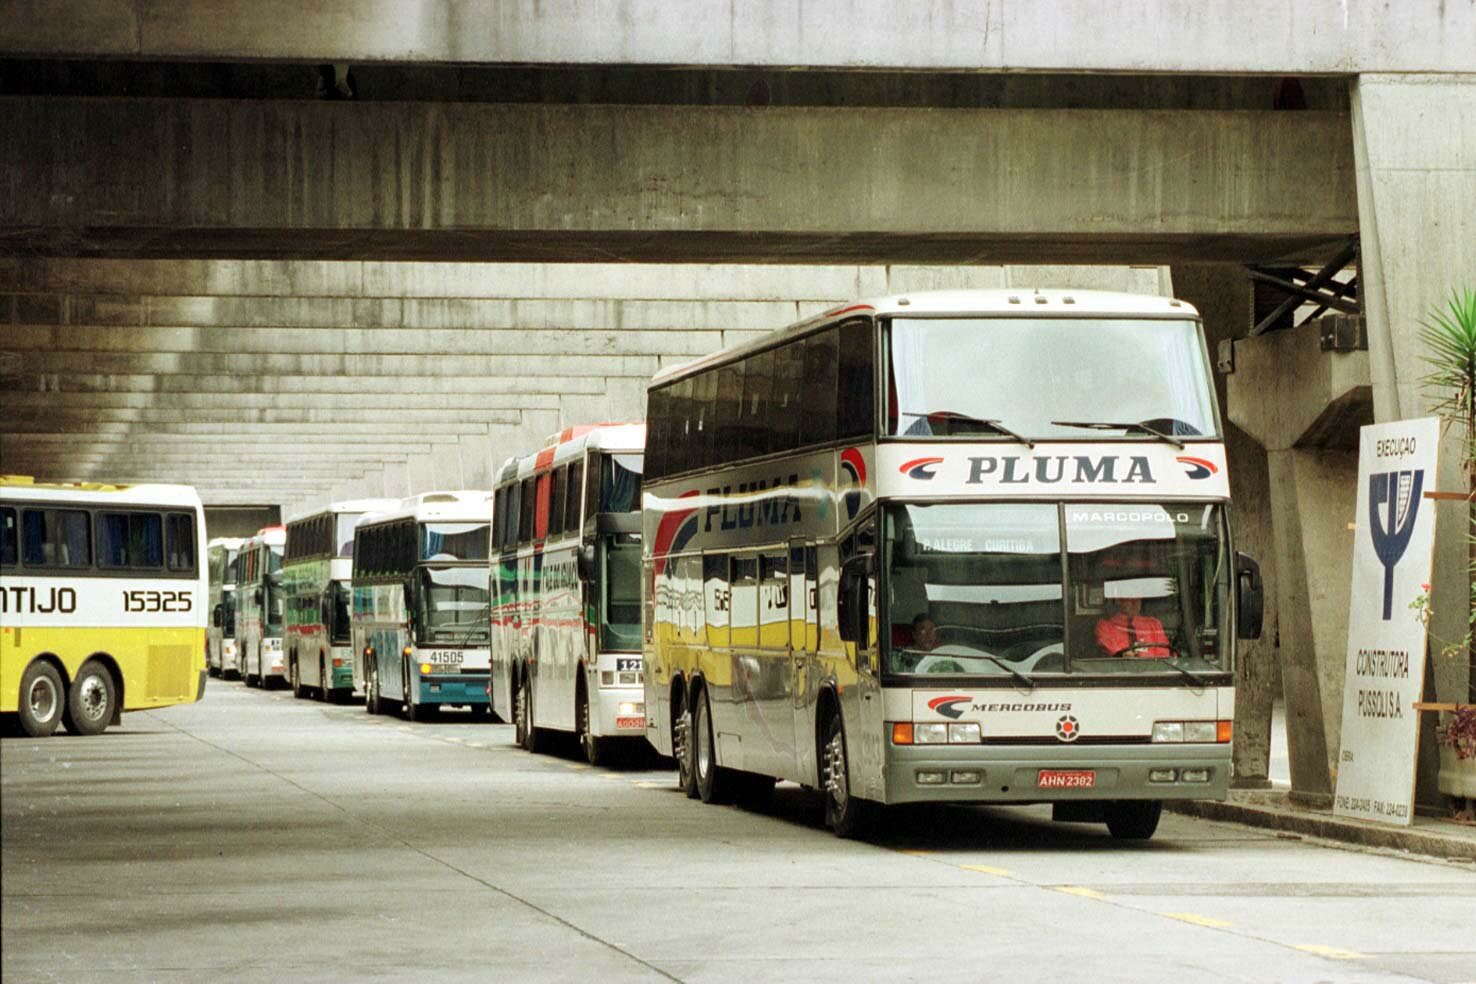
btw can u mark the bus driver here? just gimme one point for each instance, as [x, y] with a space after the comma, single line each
[1131, 633]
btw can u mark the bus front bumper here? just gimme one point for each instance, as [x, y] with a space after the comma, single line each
[1055, 773]
[453, 688]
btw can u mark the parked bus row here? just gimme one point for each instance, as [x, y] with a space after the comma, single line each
[946, 547]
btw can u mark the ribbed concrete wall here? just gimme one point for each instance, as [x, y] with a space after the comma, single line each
[278, 382]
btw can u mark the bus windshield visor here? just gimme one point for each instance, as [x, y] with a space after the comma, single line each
[979, 589]
[453, 606]
[454, 541]
[620, 624]
[1048, 378]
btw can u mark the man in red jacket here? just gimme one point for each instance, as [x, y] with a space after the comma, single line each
[1131, 633]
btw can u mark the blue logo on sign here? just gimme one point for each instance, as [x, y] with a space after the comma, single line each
[1393, 503]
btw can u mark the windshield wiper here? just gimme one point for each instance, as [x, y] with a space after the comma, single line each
[1020, 678]
[1198, 680]
[962, 418]
[1141, 427]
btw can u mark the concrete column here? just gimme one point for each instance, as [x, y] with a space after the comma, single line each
[1305, 406]
[1222, 294]
[1415, 157]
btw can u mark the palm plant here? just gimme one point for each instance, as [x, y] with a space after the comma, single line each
[1449, 336]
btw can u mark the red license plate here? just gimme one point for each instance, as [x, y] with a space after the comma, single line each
[1065, 779]
[630, 722]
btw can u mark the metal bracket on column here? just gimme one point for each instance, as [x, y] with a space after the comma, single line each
[1320, 288]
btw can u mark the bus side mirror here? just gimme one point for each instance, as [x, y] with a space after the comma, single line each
[851, 599]
[1250, 601]
[585, 560]
[217, 616]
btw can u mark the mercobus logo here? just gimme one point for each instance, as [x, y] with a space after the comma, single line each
[948, 706]
[920, 468]
[1197, 468]
[1393, 503]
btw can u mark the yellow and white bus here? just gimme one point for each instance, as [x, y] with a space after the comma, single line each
[566, 583]
[960, 546]
[103, 602]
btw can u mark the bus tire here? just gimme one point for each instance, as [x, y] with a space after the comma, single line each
[538, 739]
[520, 712]
[681, 744]
[42, 699]
[846, 814]
[326, 693]
[372, 702]
[299, 692]
[1133, 819]
[712, 781]
[596, 750]
[92, 700]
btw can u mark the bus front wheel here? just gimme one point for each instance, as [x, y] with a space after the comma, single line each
[92, 700]
[845, 813]
[41, 699]
[372, 703]
[595, 748]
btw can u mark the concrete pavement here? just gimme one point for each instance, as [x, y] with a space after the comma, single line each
[252, 837]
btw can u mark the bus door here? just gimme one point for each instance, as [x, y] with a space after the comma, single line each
[804, 641]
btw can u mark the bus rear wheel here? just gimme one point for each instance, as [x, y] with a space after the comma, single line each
[596, 750]
[41, 699]
[681, 745]
[299, 692]
[1133, 819]
[92, 700]
[712, 780]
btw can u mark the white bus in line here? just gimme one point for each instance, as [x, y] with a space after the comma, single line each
[317, 572]
[221, 657]
[420, 623]
[103, 602]
[966, 546]
[566, 645]
[260, 608]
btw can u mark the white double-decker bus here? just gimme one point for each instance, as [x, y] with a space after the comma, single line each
[566, 590]
[420, 623]
[103, 602]
[317, 572]
[221, 658]
[260, 607]
[948, 547]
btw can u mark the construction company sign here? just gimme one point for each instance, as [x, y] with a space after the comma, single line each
[1393, 552]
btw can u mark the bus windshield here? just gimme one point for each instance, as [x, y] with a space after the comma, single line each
[983, 588]
[452, 605]
[454, 541]
[1037, 377]
[620, 615]
[228, 610]
[620, 483]
[340, 600]
[273, 600]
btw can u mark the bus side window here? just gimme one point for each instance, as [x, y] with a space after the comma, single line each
[856, 385]
[181, 542]
[557, 489]
[8, 538]
[818, 417]
[574, 497]
[56, 538]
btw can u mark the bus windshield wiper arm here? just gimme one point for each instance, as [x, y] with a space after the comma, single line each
[1198, 680]
[1141, 427]
[962, 418]
[1021, 678]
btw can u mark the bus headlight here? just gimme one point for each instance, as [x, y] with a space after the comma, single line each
[930, 734]
[963, 733]
[1200, 732]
